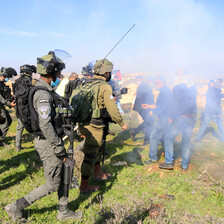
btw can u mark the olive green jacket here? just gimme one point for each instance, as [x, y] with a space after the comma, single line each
[106, 100]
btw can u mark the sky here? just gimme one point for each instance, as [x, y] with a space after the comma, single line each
[168, 34]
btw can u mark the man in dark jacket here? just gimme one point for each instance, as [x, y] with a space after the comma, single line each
[212, 111]
[162, 110]
[144, 96]
[184, 111]
[74, 81]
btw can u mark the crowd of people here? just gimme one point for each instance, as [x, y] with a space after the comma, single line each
[173, 112]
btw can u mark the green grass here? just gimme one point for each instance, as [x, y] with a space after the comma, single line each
[127, 196]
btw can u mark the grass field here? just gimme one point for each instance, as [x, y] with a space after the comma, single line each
[196, 196]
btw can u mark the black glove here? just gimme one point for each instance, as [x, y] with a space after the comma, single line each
[61, 155]
[124, 90]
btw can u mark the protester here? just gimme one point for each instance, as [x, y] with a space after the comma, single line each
[184, 111]
[213, 111]
[144, 96]
[116, 91]
[163, 112]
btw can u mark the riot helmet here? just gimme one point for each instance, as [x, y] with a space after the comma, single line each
[49, 64]
[8, 72]
[87, 71]
[28, 69]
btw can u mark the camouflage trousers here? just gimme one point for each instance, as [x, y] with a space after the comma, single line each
[92, 147]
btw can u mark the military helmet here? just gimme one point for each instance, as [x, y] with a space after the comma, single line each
[8, 72]
[49, 63]
[28, 69]
[88, 69]
[102, 66]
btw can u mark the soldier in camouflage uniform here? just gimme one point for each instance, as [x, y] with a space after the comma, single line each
[93, 129]
[48, 143]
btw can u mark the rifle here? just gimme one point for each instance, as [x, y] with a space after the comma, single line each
[69, 180]
[106, 132]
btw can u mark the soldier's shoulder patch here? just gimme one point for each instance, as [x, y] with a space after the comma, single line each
[44, 111]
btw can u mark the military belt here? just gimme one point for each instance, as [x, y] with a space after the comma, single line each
[96, 121]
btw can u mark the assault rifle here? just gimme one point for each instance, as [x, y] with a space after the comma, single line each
[68, 166]
[69, 180]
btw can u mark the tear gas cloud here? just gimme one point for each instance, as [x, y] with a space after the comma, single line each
[168, 36]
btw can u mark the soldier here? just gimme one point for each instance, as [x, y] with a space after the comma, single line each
[6, 99]
[87, 70]
[24, 81]
[48, 142]
[93, 129]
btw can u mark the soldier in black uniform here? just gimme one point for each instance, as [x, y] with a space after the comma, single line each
[20, 84]
[48, 141]
[6, 99]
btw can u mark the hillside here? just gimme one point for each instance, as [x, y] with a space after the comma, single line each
[130, 195]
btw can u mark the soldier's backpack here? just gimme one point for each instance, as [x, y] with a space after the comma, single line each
[84, 100]
[21, 89]
[24, 92]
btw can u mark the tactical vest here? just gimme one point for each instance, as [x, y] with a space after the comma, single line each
[60, 116]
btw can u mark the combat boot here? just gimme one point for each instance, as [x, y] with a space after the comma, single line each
[15, 210]
[99, 175]
[65, 213]
[86, 188]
